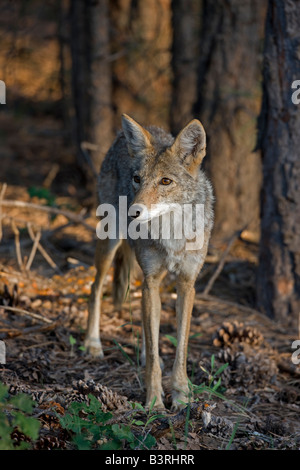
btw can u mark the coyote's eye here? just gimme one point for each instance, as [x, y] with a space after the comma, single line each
[165, 181]
[137, 179]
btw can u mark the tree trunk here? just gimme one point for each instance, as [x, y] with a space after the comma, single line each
[185, 52]
[141, 40]
[229, 99]
[100, 80]
[79, 75]
[91, 81]
[278, 288]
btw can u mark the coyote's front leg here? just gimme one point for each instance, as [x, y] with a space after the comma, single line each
[105, 252]
[151, 307]
[184, 307]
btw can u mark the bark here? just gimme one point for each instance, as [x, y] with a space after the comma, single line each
[278, 289]
[100, 80]
[141, 40]
[79, 74]
[229, 99]
[185, 52]
[91, 81]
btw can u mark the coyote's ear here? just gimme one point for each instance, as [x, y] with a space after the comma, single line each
[138, 139]
[190, 145]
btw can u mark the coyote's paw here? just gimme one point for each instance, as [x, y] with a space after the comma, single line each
[158, 405]
[179, 400]
[93, 347]
[154, 401]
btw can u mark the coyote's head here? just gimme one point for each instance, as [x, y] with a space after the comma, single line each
[163, 175]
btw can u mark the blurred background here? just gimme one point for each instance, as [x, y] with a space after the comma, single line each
[80, 64]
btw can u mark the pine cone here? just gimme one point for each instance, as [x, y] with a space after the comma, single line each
[235, 332]
[110, 400]
[246, 367]
[220, 426]
[9, 298]
[252, 443]
[18, 437]
[49, 442]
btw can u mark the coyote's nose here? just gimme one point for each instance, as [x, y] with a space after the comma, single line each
[135, 211]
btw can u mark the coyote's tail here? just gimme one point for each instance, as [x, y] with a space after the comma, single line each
[123, 264]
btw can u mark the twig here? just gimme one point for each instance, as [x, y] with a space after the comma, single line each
[34, 249]
[13, 333]
[36, 316]
[222, 262]
[17, 245]
[51, 210]
[41, 249]
[291, 369]
[3, 189]
[51, 175]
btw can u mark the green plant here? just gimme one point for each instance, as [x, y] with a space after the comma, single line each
[173, 339]
[14, 415]
[42, 193]
[72, 342]
[213, 384]
[90, 428]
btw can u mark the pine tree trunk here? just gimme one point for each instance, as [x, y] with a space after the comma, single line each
[229, 100]
[100, 80]
[185, 52]
[141, 40]
[78, 44]
[279, 268]
[91, 81]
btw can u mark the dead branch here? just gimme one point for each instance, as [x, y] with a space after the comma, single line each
[17, 245]
[34, 250]
[51, 210]
[41, 249]
[51, 175]
[21, 311]
[13, 332]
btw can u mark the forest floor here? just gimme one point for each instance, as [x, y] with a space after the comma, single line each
[253, 403]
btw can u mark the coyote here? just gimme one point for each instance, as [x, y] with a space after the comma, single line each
[152, 168]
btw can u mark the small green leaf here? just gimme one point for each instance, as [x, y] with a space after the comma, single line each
[172, 339]
[153, 418]
[22, 402]
[138, 422]
[123, 352]
[28, 425]
[3, 392]
[152, 404]
[81, 442]
[72, 340]
[111, 445]
[212, 362]
[138, 406]
[149, 441]
[221, 369]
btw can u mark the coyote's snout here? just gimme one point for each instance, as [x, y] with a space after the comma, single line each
[160, 176]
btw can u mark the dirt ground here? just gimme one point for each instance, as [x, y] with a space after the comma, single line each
[43, 315]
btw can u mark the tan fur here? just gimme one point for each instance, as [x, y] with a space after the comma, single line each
[153, 154]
